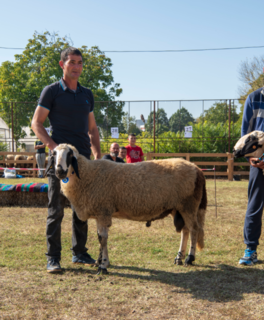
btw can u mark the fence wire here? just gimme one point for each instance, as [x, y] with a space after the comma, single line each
[159, 125]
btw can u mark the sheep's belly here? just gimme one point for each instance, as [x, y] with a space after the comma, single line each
[129, 216]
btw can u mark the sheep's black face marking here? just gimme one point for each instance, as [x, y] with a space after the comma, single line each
[251, 145]
[69, 158]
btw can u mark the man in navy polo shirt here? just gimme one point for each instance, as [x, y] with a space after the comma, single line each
[69, 107]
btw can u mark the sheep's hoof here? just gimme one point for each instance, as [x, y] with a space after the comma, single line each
[102, 271]
[189, 260]
[178, 261]
[97, 263]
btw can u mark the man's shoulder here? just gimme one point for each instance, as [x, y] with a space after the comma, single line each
[86, 90]
[52, 89]
[118, 159]
[256, 95]
[53, 85]
[107, 157]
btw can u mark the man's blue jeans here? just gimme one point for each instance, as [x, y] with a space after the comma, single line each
[253, 219]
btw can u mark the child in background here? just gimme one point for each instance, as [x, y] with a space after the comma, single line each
[122, 153]
[134, 153]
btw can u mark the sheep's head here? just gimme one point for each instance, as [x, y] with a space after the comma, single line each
[66, 156]
[250, 145]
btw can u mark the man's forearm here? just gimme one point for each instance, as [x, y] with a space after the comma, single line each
[95, 143]
[41, 133]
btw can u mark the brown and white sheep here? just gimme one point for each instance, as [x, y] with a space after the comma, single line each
[10, 157]
[144, 191]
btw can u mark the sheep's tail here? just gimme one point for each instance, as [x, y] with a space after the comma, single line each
[201, 214]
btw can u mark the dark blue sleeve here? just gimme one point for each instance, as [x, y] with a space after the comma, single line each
[46, 98]
[247, 116]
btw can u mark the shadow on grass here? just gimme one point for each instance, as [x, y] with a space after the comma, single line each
[216, 284]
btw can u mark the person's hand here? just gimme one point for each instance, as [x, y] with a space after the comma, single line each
[256, 163]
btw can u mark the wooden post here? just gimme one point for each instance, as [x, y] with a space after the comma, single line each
[149, 157]
[230, 166]
[188, 156]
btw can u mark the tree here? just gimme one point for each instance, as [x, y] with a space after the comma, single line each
[218, 113]
[161, 122]
[251, 76]
[180, 119]
[37, 67]
[129, 125]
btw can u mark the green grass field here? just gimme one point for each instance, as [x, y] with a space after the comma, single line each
[143, 282]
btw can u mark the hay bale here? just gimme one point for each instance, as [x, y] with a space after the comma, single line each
[25, 199]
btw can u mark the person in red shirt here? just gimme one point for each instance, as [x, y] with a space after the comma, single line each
[134, 153]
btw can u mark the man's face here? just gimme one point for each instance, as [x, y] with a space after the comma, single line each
[72, 68]
[132, 140]
[123, 153]
[114, 149]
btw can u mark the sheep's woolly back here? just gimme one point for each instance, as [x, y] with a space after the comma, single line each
[133, 191]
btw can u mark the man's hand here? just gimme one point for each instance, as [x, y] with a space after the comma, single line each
[259, 164]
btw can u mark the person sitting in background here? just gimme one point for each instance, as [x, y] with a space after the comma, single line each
[114, 151]
[122, 153]
[134, 153]
[40, 157]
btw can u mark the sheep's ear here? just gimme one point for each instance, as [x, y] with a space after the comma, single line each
[75, 166]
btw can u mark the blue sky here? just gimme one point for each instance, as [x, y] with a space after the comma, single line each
[150, 25]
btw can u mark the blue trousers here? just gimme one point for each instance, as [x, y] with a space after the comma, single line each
[253, 219]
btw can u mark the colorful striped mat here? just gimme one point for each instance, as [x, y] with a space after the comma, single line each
[25, 187]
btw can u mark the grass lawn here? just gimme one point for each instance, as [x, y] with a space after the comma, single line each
[143, 282]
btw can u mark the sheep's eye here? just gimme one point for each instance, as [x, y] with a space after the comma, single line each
[54, 153]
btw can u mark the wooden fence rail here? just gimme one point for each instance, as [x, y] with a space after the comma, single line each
[229, 163]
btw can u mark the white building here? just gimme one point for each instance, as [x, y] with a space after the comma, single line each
[6, 137]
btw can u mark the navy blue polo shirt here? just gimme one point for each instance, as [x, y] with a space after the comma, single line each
[68, 114]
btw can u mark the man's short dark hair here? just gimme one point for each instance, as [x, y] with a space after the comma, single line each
[69, 50]
[132, 135]
[123, 148]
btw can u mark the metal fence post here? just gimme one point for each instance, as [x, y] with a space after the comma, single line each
[154, 129]
[229, 124]
[230, 166]
[12, 121]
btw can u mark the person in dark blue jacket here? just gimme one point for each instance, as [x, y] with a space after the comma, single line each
[253, 119]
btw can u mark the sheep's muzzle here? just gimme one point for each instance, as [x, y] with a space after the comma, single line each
[60, 173]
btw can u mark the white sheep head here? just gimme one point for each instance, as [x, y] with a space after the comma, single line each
[66, 156]
[250, 145]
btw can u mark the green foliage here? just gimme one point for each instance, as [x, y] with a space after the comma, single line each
[180, 119]
[206, 138]
[129, 125]
[161, 122]
[38, 66]
[218, 113]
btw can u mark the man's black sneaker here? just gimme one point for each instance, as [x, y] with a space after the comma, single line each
[53, 266]
[83, 258]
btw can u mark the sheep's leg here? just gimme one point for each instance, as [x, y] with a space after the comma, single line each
[103, 259]
[191, 255]
[183, 246]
